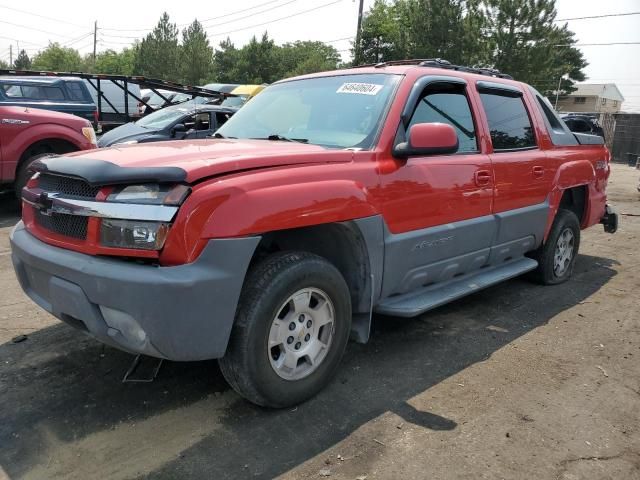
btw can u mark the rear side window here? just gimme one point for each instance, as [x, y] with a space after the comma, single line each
[12, 91]
[75, 91]
[551, 118]
[448, 105]
[52, 93]
[509, 123]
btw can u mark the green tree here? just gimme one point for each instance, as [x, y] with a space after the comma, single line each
[158, 53]
[302, 57]
[22, 62]
[257, 62]
[58, 58]
[382, 36]
[225, 62]
[196, 55]
[115, 63]
[527, 44]
[4, 65]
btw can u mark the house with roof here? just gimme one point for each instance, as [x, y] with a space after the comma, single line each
[592, 98]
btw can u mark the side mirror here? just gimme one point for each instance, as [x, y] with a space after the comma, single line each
[178, 127]
[428, 139]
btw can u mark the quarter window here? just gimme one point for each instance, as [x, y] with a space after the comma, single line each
[75, 91]
[509, 123]
[448, 105]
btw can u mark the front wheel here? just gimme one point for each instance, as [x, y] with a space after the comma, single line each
[558, 254]
[291, 330]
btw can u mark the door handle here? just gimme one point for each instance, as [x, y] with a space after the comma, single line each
[538, 172]
[482, 177]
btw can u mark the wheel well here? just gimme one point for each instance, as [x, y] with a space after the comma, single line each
[575, 200]
[49, 145]
[340, 243]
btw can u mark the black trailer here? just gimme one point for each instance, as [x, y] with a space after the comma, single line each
[116, 117]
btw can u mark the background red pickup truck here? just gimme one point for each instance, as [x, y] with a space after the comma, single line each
[27, 133]
[391, 189]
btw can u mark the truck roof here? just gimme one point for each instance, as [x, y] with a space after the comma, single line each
[37, 80]
[411, 70]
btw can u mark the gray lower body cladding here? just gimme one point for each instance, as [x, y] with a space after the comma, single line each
[435, 255]
[178, 313]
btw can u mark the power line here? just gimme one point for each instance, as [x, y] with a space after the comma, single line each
[597, 44]
[34, 29]
[221, 23]
[277, 19]
[598, 16]
[186, 24]
[41, 16]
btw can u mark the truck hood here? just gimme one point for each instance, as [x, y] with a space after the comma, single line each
[201, 158]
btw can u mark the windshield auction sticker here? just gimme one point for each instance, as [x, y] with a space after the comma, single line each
[360, 88]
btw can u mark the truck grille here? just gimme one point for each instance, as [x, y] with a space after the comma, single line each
[62, 224]
[67, 186]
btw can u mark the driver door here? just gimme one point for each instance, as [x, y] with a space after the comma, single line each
[198, 125]
[437, 208]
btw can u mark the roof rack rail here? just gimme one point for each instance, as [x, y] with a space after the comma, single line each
[440, 63]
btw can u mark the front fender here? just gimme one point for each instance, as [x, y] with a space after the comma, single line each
[289, 206]
[36, 133]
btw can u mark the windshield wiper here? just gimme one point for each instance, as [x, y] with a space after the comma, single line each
[219, 135]
[276, 137]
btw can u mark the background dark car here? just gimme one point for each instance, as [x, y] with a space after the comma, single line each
[583, 124]
[60, 94]
[178, 122]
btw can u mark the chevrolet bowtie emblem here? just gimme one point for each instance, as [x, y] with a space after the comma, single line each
[44, 203]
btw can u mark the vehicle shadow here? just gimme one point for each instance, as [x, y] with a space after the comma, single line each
[62, 385]
[9, 209]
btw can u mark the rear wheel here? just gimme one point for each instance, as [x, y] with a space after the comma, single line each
[291, 330]
[557, 256]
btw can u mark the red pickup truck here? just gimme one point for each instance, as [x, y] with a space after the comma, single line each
[388, 189]
[29, 133]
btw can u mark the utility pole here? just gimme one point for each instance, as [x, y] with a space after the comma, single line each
[95, 40]
[10, 56]
[356, 59]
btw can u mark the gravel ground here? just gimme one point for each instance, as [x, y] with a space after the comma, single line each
[517, 381]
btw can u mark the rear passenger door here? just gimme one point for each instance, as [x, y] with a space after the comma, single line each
[522, 171]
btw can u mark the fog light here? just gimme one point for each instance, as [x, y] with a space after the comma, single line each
[135, 234]
[125, 324]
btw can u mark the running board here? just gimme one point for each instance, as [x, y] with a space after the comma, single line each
[419, 301]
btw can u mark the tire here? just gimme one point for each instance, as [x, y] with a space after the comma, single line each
[551, 256]
[258, 371]
[23, 174]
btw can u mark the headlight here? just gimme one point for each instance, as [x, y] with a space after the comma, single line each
[128, 142]
[90, 134]
[142, 234]
[133, 234]
[150, 193]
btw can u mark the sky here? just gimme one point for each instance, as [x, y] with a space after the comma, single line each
[32, 24]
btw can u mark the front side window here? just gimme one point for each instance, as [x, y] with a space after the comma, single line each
[343, 111]
[509, 123]
[448, 104]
